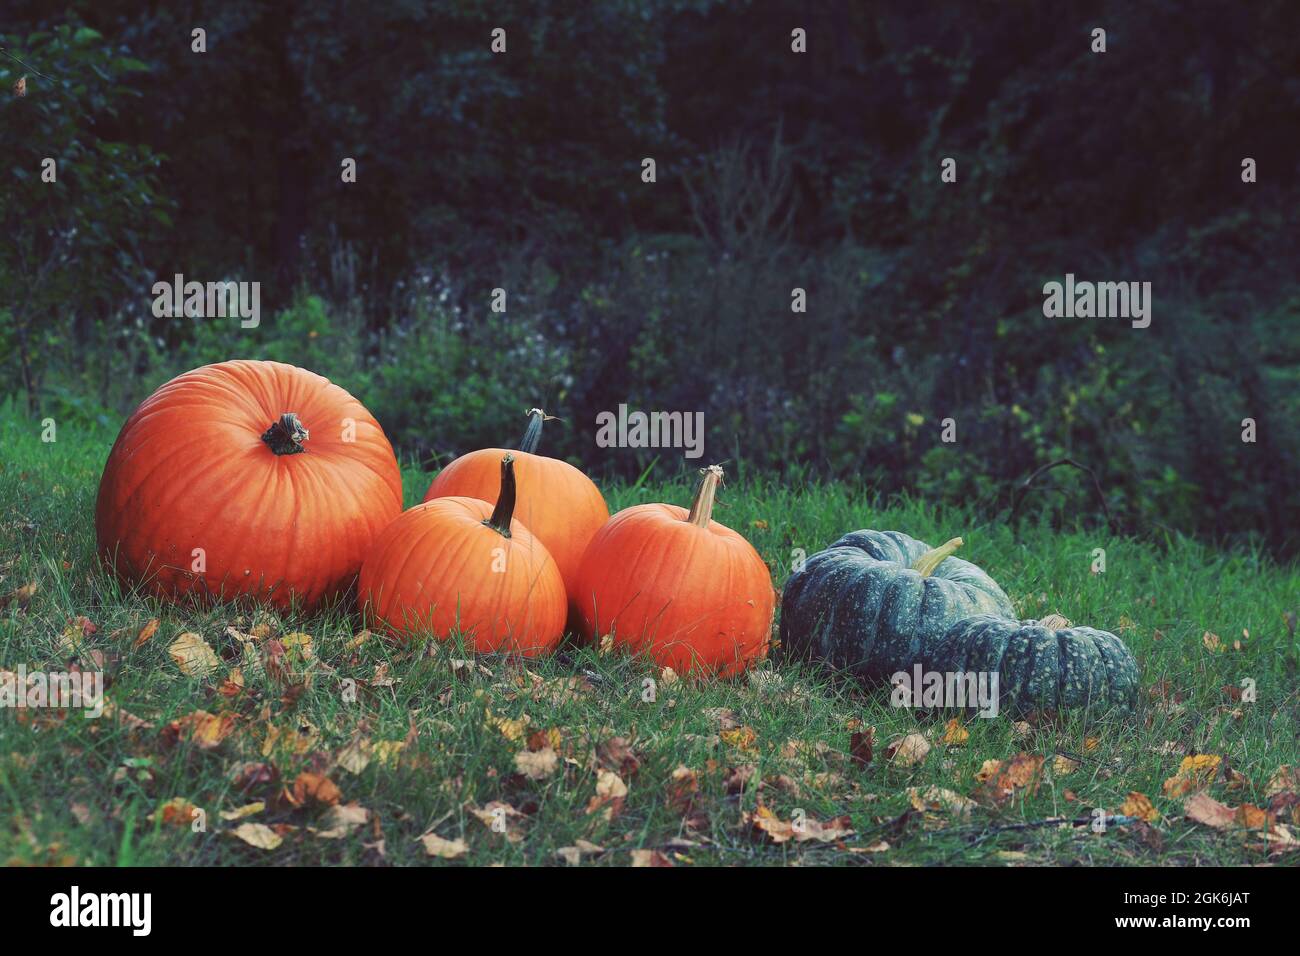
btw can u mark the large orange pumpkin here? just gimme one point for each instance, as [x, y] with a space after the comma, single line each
[678, 585]
[560, 505]
[461, 564]
[246, 479]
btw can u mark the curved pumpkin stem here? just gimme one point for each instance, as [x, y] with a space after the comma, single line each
[533, 433]
[927, 562]
[1054, 622]
[702, 507]
[286, 435]
[505, 509]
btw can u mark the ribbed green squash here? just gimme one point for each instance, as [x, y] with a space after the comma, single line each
[1042, 665]
[877, 602]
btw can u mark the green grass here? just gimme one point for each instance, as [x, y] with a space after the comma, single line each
[83, 791]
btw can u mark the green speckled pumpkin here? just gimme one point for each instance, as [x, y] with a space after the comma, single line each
[1042, 665]
[876, 602]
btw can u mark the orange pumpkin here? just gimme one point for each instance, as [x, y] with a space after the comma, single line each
[246, 479]
[460, 564]
[679, 586]
[560, 505]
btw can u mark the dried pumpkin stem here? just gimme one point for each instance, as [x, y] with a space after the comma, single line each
[533, 433]
[702, 507]
[1054, 622]
[285, 436]
[926, 563]
[505, 509]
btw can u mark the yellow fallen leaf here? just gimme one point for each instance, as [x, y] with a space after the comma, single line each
[1139, 805]
[435, 845]
[908, 751]
[1063, 766]
[339, 821]
[537, 764]
[257, 835]
[954, 732]
[1195, 773]
[193, 655]
[247, 810]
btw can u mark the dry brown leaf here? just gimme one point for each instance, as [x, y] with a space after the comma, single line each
[176, 812]
[1211, 642]
[861, 746]
[201, 728]
[1284, 778]
[355, 757]
[145, 633]
[1202, 808]
[800, 830]
[193, 655]
[315, 788]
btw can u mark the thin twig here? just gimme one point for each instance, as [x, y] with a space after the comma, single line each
[1023, 490]
[24, 65]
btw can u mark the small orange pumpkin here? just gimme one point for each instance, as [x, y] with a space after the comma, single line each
[679, 586]
[560, 505]
[461, 564]
[246, 479]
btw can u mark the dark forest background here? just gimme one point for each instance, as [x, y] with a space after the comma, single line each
[775, 171]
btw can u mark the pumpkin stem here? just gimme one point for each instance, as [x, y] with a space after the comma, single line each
[286, 435]
[702, 507]
[533, 433]
[927, 562]
[1054, 622]
[505, 509]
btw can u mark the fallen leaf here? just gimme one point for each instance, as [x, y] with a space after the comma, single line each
[939, 798]
[193, 655]
[537, 764]
[1284, 778]
[1139, 805]
[340, 821]
[200, 728]
[315, 788]
[861, 745]
[1211, 642]
[247, 810]
[954, 733]
[145, 633]
[907, 751]
[500, 817]
[800, 829]
[1064, 766]
[435, 845]
[650, 858]
[176, 812]
[573, 855]
[1202, 808]
[258, 835]
[1195, 773]
[742, 738]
